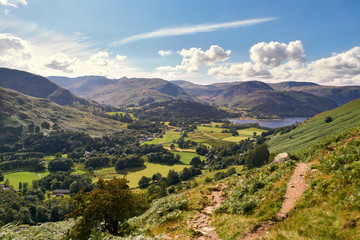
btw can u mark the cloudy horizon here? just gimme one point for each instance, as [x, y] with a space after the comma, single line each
[279, 46]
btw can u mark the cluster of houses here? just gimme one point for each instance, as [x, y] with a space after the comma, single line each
[144, 138]
[56, 192]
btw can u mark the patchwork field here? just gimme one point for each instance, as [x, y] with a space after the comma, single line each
[22, 176]
[187, 156]
[135, 174]
[169, 137]
[208, 133]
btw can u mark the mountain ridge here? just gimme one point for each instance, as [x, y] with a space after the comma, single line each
[126, 91]
[41, 87]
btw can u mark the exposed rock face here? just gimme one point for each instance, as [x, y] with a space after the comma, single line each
[281, 158]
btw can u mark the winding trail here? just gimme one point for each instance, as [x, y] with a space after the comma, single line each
[201, 224]
[295, 188]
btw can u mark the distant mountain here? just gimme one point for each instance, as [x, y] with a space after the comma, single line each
[41, 87]
[339, 94]
[204, 92]
[180, 109]
[66, 82]
[286, 86]
[280, 99]
[124, 91]
[239, 90]
[289, 103]
[19, 113]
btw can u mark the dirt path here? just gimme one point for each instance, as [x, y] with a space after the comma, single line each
[202, 223]
[209, 136]
[295, 188]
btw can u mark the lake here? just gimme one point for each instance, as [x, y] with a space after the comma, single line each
[271, 123]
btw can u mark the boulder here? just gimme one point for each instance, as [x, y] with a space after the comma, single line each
[281, 158]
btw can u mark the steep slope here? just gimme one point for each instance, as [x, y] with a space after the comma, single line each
[330, 207]
[20, 113]
[125, 91]
[315, 129]
[38, 86]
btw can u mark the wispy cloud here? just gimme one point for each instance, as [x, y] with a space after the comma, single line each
[176, 31]
[12, 3]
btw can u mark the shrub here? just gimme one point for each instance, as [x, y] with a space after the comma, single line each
[328, 119]
[144, 182]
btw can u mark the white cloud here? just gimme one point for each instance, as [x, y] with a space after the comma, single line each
[285, 62]
[176, 31]
[62, 62]
[346, 63]
[274, 53]
[12, 3]
[73, 58]
[193, 58]
[14, 50]
[121, 57]
[164, 53]
[244, 70]
[100, 58]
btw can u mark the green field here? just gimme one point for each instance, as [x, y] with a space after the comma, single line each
[187, 156]
[134, 175]
[249, 132]
[316, 129]
[235, 139]
[208, 129]
[79, 169]
[22, 176]
[169, 137]
[210, 134]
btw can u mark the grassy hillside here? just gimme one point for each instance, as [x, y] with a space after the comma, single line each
[315, 129]
[330, 208]
[20, 112]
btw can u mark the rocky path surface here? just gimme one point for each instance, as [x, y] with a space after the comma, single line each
[202, 223]
[295, 188]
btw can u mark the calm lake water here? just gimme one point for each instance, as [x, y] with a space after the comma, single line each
[271, 123]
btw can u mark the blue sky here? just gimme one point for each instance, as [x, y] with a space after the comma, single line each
[201, 41]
